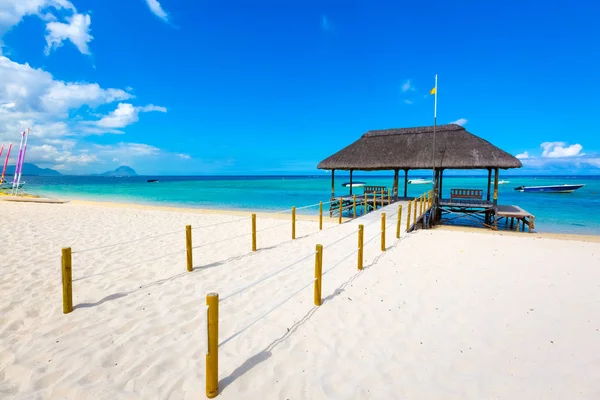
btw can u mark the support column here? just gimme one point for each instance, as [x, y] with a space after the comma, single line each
[396, 185]
[405, 182]
[332, 183]
[350, 182]
[441, 187]
[489, 183]
[495, 187]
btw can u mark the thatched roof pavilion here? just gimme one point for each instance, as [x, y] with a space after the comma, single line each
[412, 148]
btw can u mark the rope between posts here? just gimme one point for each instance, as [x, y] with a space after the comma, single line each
[271, 227]
[265, 278]
[268, 312]
[219, 241]
[220, 223]
[128, 242]
[341, 261]
[339, 240]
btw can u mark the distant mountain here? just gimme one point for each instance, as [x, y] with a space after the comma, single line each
[120, 172]
[32, 169]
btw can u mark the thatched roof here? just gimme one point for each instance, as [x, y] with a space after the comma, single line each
[411, 148]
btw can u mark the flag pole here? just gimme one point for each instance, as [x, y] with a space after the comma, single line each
[434, 126]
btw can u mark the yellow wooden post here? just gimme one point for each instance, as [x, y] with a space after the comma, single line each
[188, 247]
[340, 217]
[318, 274]
[67, 281]
[382, 197]
[374, 200]
[253, 232]
[212, 357]
[421, 205]
[382, 231]
[320, 215]
[389, 197]
[354, 205]
[361, 237]
[415, 212]
[408, 217]
[293, 222]
[399, 221]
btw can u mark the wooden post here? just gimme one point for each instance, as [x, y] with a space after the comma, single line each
[382, 231]
[496, 187]
[350, 182]
[365, 205]
[361, 236]
[67, 281]
[396, 184]
[188, 246]
[320, 215]
[389, 197]
[408, 217]
[254, 230]
[489, 184]
[212, 358]
[318, 274]
[354, 204]
[415, 212]
[422, 203]
[293, 222]
[405, 182]
[332, 183]
[399, 221]
[341, 204]
[382, 197]
[374, 200]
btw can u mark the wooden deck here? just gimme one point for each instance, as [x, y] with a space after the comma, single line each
[514, 213]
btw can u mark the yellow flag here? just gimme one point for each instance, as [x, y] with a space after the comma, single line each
[432, 91]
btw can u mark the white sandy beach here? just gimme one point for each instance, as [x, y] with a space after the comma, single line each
[440, 315]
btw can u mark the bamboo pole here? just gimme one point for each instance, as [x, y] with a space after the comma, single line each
[361, 236]
[354, 204]
[212, 358]
[382, 231]
[399, 221]
[254, 232]
[341, 206]
[293, 222]
[67, 281]
[188, 247]
[318, 274]
[320, 215]
[408, 216]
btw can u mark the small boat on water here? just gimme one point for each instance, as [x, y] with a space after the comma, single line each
[419, 181]
[152, 181]
[503, 182]
[354, 184]
[550, 188]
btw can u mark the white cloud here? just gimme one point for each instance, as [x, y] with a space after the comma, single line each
[560, 149]
[157, 10]
[12, 11]
[406, 86]
[460, 121]
[126, 114]
[76, 29]
[184, 156]
[523, 155]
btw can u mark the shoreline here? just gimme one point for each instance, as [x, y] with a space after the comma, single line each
[327, 219]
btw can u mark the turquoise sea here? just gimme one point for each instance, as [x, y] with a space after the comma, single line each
[577, 212]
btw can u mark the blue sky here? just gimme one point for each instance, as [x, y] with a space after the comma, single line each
[229, 87]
